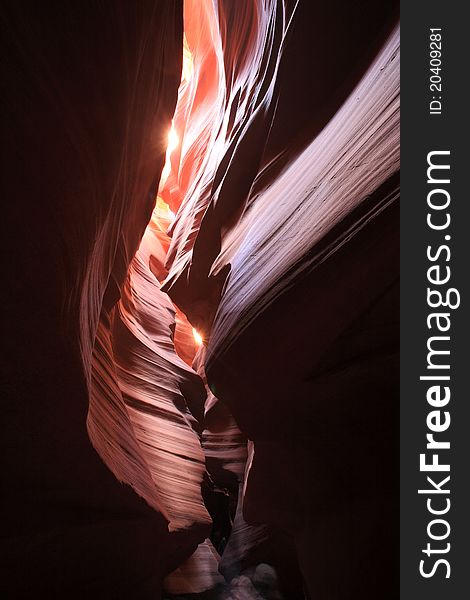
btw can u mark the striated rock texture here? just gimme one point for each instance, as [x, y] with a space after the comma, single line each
[201, 307]
[284, 254]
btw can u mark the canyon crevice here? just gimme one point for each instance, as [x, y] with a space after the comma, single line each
[201, 299]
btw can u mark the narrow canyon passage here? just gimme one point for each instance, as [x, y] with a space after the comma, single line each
[202, 300]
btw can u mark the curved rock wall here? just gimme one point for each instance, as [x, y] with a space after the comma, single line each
[248, 170]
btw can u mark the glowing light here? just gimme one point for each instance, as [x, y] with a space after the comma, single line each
[173, 140]
[188, 66]
[197, 337]
[173, 137]
[162, 210]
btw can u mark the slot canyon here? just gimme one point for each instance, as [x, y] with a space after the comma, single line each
[200, 299]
